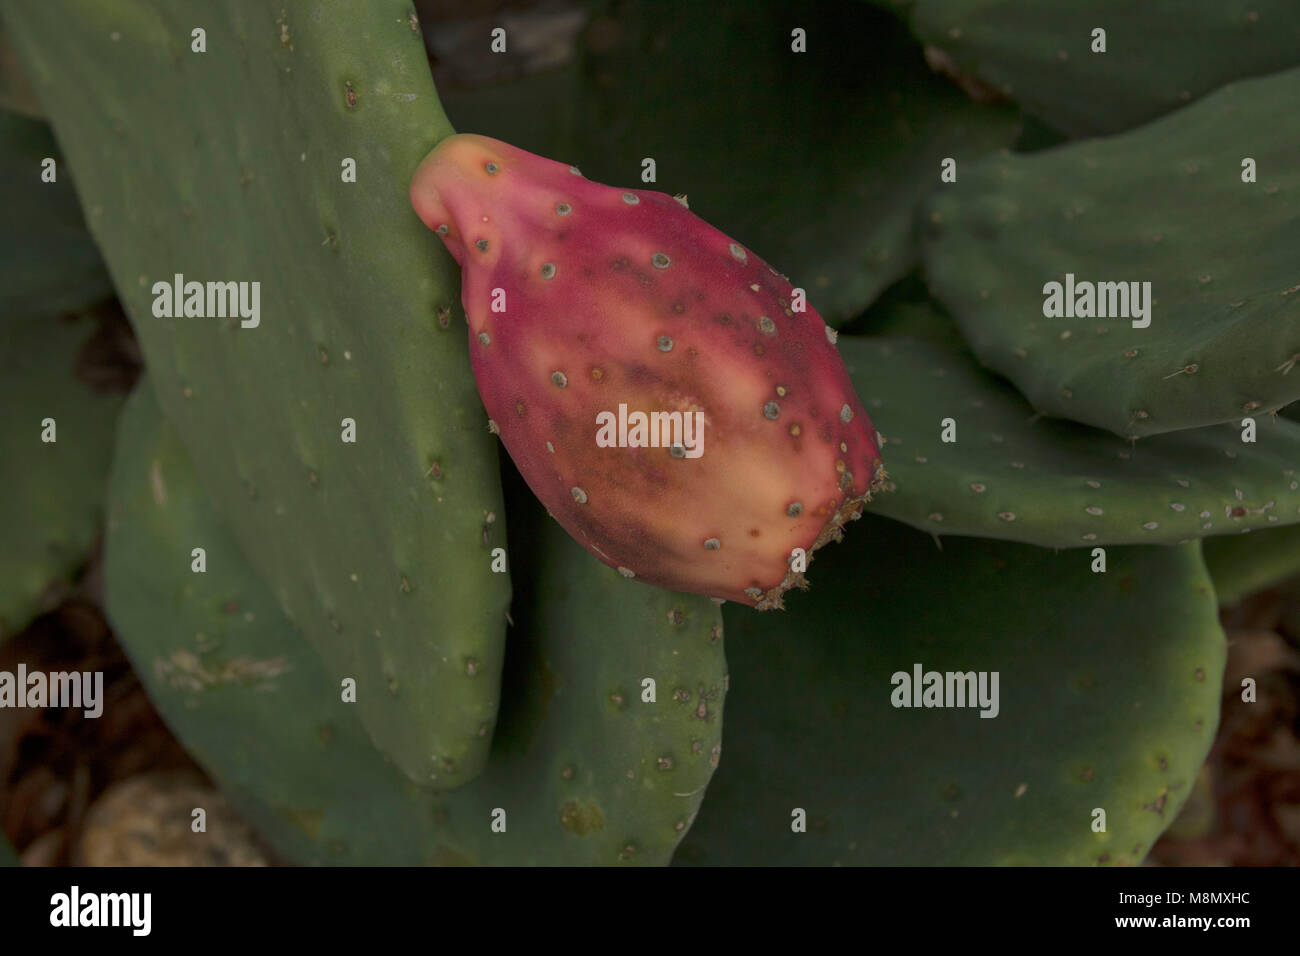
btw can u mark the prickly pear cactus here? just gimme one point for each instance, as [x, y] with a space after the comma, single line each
[378, 549]
[967, 455]
[1170, 204]
[305, 553]
[584, 769]
[1011, 788]
[701, 365]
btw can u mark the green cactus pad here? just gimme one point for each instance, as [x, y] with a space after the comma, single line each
[1019, 476]
[8, 856]
[583, 743]
[53, 492]
[1240, 565]
[1108, 698]
[48, 262]
[770, 151]
[227, 166]
[1160, 54]
[1164, 204]
[580, 774]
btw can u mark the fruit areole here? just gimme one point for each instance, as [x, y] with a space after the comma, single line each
[668, 396]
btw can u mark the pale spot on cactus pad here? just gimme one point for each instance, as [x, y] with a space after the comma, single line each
[656, 313]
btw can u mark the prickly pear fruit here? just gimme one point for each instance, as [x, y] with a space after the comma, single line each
[656, 383]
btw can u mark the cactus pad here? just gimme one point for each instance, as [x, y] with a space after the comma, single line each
[585, 771]
[1089, 717]
[1015, 475]
[1165, 204]
[228, 166]
[53, 491]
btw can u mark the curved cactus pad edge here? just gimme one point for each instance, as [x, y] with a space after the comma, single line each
[380, 549]
[53, 490]
[1188, 325]
[967, 455]
[583, 769]
[1108, 700]
[49, 263]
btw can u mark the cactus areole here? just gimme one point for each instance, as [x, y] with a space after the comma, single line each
[666, 394]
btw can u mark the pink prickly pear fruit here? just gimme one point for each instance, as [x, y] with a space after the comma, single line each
[589, 304]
